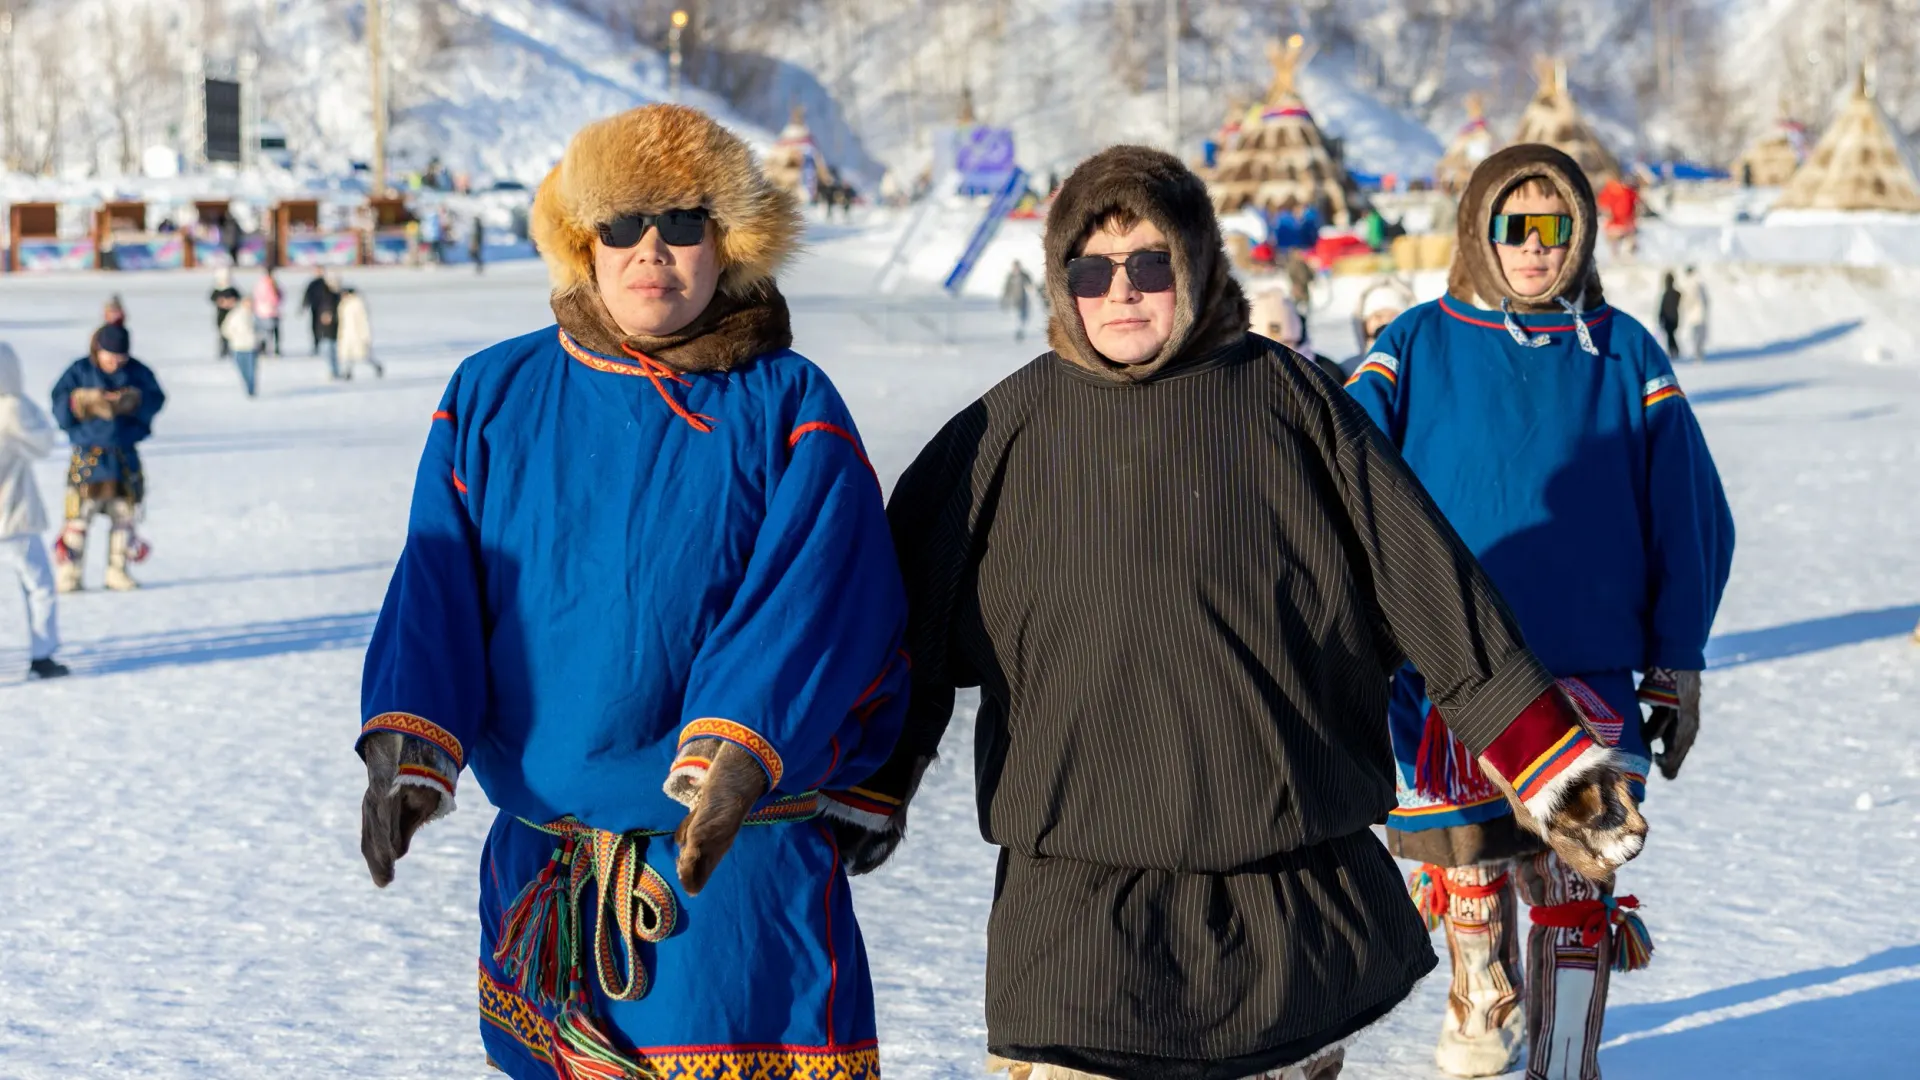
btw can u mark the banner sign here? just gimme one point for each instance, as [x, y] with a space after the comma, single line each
[391, 247]
[1009, 194]
[164, 251]
[47, 253]
[324, 249]
[212, 253]
[984, 158]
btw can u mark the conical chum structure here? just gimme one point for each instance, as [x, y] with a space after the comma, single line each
[795, 162]
[1552, 118]
[1469, 148]
[1772, 161]
[1859, 164]
[1278, 159]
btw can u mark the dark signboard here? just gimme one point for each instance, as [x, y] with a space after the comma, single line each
[223, 120]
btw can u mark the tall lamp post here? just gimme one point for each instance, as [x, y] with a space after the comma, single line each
[376, 20]
[673, 54]
[7, 159]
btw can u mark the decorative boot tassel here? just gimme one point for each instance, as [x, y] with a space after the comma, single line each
[1610, 916]
[1428, 887]
[533, 933]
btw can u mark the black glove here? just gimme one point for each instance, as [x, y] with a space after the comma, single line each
[1673, 719]
[395, 805]
[865, 843]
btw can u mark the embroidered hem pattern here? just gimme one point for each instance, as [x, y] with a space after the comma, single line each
[420, 728]
[512, 1015]
[742, 736]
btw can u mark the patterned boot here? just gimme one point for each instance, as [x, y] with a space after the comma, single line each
[70, 558]
[1570, 956]
[118, 543]
[1484, 1028]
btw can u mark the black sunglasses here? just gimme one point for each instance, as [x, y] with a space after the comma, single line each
[1089, 275]
[678, 228]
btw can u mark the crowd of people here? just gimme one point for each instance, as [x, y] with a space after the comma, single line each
[1225, 610]
[105, 403]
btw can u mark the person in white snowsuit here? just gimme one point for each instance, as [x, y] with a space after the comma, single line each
[1693, 315]
[26, 436]
[356, 335]
[242, 337]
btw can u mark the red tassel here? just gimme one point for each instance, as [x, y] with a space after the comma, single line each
[1444, 768]
[581, 1051]
[532, 933]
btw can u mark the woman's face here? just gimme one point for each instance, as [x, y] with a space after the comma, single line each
[654, 289]
[1125, 325]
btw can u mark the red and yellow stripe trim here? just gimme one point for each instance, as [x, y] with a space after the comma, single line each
[1377, 364]
[420, 728]
[713, 727]
[1551, 763]
[1664, 388]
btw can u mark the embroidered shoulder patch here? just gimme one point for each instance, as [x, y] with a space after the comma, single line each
[1377, 363]
[1660, 389]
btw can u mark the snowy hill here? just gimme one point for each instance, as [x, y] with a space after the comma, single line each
[490, 87]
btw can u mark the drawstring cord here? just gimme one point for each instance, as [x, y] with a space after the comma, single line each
[1513, 328]
[1580, 327]
[660, 374]
[1535, 341]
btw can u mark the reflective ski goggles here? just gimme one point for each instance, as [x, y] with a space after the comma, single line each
[1556, 230]
[678, 228]
[1089, 275]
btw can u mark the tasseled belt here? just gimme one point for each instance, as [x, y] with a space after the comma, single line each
[542, 931]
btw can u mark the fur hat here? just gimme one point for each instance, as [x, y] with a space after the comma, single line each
[663, 157]
[1209, 309]
[1476, 278]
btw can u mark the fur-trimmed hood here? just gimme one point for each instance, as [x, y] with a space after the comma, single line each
[1210, 310]
[662, 157]
[1475, 276]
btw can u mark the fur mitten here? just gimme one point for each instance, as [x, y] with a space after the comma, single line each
[1586, 811]
[1674, 717]
[88, 403]
[126, 402]
[864, 848]
[718, 782]
[409, 783]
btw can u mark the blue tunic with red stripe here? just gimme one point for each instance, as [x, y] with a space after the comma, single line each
[1583, 484]
[605, 561]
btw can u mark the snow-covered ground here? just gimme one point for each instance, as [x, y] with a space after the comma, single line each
[184, 895]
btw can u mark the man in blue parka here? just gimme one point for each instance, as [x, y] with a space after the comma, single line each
[105, 402]
[1549, 427]
[648, 595]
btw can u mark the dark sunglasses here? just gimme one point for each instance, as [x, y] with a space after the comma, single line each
[1089, 275]
[1556, 230]
[678, 228]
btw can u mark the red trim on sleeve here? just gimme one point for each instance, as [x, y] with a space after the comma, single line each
[443, 415]
[1541, 741]
[457, 485]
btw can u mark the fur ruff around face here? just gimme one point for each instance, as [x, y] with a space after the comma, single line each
[1476, 278]
[1210, 311]
[664, 157]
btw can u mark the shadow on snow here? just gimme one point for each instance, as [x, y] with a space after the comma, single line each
[1785, 346]
[1810, 635]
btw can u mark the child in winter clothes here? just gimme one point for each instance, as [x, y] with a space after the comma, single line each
[1550, 429]
[26, 436]
[105, 402]
[242, 336]
[1180, 565]
[356, 335]
[739, 545]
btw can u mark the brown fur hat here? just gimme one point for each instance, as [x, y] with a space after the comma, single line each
[1476, 278]
[1210, 310]
[663, 157]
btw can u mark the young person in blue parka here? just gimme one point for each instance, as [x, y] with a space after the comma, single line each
[648, 595]
[1550, 429]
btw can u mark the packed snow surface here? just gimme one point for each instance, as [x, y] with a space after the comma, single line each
[184, 895]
